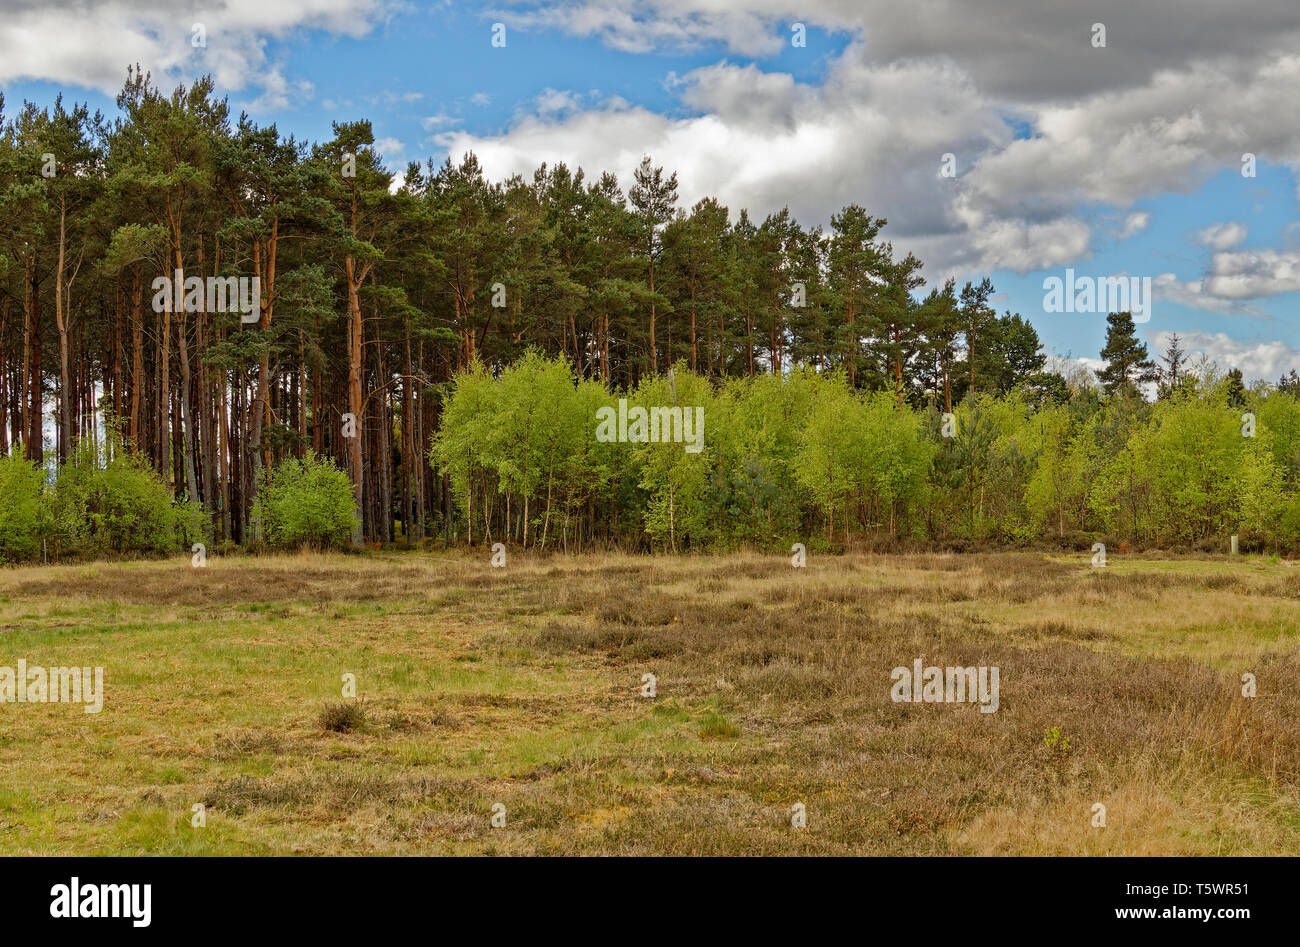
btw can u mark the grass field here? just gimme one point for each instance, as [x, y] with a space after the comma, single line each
[522, 686]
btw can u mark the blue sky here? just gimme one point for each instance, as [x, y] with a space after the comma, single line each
[1110, 161]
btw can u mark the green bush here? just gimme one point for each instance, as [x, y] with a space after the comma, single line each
[24, 509]
[118, 506]
[306, 502]
[192, 525]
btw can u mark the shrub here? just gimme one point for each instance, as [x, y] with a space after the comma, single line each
[118, 506]
[192, 525]
[306, 502]
[23, 509]
[342, 717]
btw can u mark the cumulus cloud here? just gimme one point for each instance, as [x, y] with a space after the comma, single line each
[637, 26]
[875, 130]
[278, 92]
[1222, 236]
[1168, 135]
[1234, 276]
[1257, 359]
[1197, 294]
[390, 148]
[1026, 50]
[555, 102]
[1054, 140]
[90, 44]
[1134, 223]
[1251, 274]
[871, 134]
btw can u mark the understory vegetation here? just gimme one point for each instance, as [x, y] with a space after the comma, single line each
[801, 457]
[108, 503]
[806, 457]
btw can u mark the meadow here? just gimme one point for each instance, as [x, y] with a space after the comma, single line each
[523, 686]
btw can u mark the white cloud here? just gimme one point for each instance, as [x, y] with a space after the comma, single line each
[1169, 135]
[1264, 359]
[1254, 273]
[91, 44]
[1234, 276]
[1222, 236]
[1026, 50]
[1197, 294]
[636, 26]
[278, 93]
[555, 102]
[874, 133]
[1135, 223]
[390, 148]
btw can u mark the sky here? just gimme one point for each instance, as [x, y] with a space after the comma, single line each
[1109, 152]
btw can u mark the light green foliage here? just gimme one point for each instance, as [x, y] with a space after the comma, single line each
[1277, 420]
[803, 454]
[676, 480]
[1189, 474]
[306, 502]
[831, 448]
[967, 465]
[1260, 495]
[467, 443]
[24, 509]
[588, 471]
[895, 459]
[1014, 458]
[113, 504]
[756, 437]
[1056, 484]
[527, 435]
[538, 431]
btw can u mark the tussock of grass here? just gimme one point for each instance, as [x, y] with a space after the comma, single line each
[341, 717]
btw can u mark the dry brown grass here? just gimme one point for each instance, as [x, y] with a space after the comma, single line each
[521, 686]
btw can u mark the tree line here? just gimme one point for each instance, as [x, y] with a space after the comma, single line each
[805, 456]
[380, 296]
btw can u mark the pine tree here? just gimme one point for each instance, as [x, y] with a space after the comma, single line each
[1128, 365]
[1171, 375]
[857, 270]
[940, 326]
[1236, 387]
[654, 199]
[976, 316]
